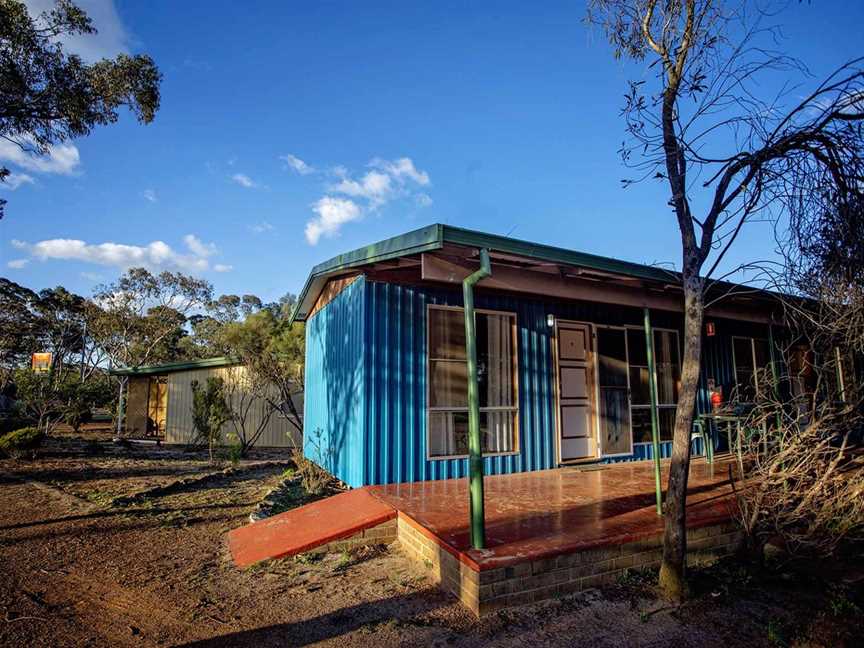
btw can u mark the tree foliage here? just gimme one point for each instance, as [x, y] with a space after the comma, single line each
[210, 411]
[48, 96]
[140, 318]
[273, 353]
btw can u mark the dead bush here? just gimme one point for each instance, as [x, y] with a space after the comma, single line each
[314, 478]
[803, 480]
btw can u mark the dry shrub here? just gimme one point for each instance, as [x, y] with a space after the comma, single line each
[803, 480]
[314, 478]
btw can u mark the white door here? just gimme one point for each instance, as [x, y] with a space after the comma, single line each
[575, 391]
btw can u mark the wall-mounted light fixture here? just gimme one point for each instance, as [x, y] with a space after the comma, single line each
[710, 329]
[550, 320]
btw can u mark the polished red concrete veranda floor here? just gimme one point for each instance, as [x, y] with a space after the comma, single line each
[535, 515]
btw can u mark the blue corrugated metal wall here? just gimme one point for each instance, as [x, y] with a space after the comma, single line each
[396, 388]
[366, 379]
[334, 407]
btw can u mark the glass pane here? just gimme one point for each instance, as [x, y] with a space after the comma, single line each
[636, 347]
[614, 420]
[612, 355]
[446, 334]
[448, 383]
[448, 433]
[667, 422]
[668, 366]
[498, 431]
[763, 365]
[641, 424]
[801, 372]
[495, 360]
[744, 370]
[639, 385]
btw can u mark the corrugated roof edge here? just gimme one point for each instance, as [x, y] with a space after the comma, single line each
[419, 240]
[171, 367]
[436, 236]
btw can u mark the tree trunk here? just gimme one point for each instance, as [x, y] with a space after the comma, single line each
[672, 569]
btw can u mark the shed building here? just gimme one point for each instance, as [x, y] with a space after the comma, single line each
[561, 340]
[159, 403]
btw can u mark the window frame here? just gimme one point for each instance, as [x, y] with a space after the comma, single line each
[756, 368]
[516, 409]
[647, 406]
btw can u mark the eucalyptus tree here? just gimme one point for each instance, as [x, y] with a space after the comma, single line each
[48, 96]
[704, 121]
[140, 318]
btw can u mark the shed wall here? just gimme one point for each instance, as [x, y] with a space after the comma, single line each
[279, 433]
[334, 385]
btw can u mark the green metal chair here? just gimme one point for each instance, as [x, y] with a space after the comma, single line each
[701, 431]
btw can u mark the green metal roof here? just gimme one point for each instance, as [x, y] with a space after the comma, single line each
[434, 237]
[171, 367]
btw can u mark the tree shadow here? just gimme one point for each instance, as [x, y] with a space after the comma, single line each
[331, 624]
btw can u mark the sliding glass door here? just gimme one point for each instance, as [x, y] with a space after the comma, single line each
[614, 391]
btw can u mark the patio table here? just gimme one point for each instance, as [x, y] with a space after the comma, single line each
[729, 419]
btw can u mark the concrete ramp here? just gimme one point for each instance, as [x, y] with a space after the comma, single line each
[307, 527]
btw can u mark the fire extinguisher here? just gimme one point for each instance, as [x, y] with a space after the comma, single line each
[716, 400]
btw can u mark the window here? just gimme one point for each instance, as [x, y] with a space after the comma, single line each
[802, 374]
[668, 366]
[448, 382]
[751, 358]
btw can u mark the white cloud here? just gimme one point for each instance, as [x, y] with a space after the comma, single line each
[297, 164]
[62, 159]
[17, 264]
[221, 267]
[198, 247]
[156, 255]
[374, 187]
[244, 181]
[260, 228]
[15, 180]
[332, 213]
[111, 38]
[92, 276]
[150, 195]
[401, 169]
[387, 180]
[423, 200]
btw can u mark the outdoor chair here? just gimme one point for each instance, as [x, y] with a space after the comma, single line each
[701, 431]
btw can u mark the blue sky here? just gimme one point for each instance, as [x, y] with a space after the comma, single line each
[280, 121]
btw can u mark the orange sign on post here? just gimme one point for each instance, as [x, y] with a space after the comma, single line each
[41, 361]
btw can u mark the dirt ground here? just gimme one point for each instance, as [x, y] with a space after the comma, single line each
[81, 567]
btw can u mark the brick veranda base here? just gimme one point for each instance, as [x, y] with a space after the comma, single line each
[548, 533]
[488, 590]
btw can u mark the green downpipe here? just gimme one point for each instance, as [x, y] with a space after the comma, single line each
[475, 452]
[655, 418]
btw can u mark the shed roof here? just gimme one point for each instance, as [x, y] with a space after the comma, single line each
[437, 236]
[172, 367]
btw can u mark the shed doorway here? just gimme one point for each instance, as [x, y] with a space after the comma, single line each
[157, 407]
[577, 403]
